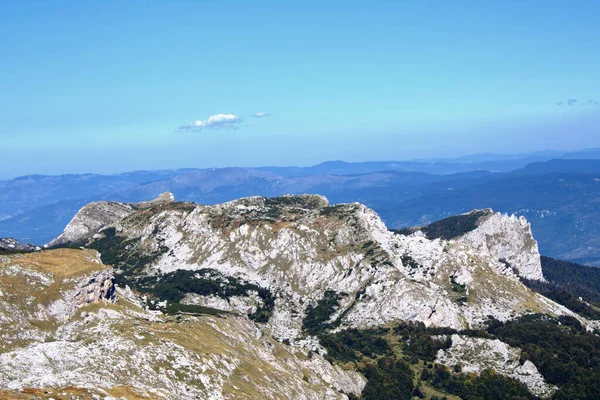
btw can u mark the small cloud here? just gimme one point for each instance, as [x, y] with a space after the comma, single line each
[575, 102]
[213, 122]
[261, 115]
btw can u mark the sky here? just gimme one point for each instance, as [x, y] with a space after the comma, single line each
[111, 86]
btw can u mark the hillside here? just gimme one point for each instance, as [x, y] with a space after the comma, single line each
[59, 341]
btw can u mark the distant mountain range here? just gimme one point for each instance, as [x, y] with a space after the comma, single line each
[561, 197]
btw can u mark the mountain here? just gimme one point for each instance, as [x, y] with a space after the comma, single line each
[438, 166]
[560, 216]
[41, 224]
[286, 297]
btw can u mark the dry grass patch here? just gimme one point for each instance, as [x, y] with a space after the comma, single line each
[61, 262]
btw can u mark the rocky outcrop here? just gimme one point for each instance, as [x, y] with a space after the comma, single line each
[509, 239]
[476, 354]
[42, 289]
[12, 245]
[93, 288]
[95, 216]
[89, 220]
[163, 198]
[243, 305]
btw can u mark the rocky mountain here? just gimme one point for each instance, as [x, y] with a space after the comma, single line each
[299, 269]
[286, 297]
[300, 248]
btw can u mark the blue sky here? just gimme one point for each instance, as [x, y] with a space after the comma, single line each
[105, 86]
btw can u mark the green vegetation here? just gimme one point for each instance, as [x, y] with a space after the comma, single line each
[393, 358]
[404, 231]
[7, 252]
[575, 286]
[177, 308]
[562, 295]
[486, 386]
[173, 286]
[418, 343]
[352, 345]
[308, 202]
[579, 280]
[388, 378]
[447, 228]
[452, 227]
[130, 262]
[340, 211]
[410, 262]
[457, 287]
[317, 317]
[124, 255]
[564, 352]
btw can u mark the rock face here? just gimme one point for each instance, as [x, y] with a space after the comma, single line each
[477, 354]
[508, 238]
[60, 327]
[89, 220]
[94, 216]
[92, 288]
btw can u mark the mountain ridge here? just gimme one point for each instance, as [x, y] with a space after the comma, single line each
[293, 268]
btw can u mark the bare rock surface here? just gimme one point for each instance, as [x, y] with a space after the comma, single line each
[476, 354]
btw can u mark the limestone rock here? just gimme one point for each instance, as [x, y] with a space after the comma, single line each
[508, 238]
[476, 354]
[163, 198]
[89, 220]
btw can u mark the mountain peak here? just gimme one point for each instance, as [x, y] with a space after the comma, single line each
[163, 198]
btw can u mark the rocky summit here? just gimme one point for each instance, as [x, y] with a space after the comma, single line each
[244, 300]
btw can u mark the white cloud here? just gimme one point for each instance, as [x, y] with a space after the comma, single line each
[213, 122]
[261, 115]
